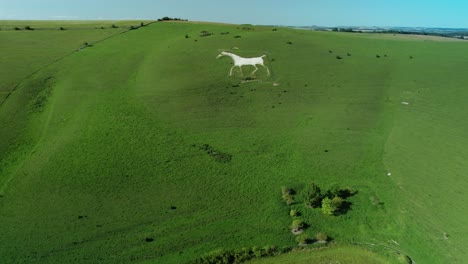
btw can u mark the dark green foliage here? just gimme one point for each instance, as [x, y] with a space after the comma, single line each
[313, 196]
[289, 43]
[17, 28]
[28, 28]
[240, 255]
[303, 239]
[275, 29]
[114, 26]
[171, 19]
[205, 33]
[339, 57]
[320, 236]
[237, 36]
[187, 36]
[247, 27]
[332, 206]
[294, 213]
[62, 28]
[217, 155]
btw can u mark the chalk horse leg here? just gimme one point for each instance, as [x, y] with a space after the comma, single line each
[256, 69]
[232, 68]
[268, 70]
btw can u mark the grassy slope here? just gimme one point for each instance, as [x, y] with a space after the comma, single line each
[115, 144]
[23, 52]
[342, 254]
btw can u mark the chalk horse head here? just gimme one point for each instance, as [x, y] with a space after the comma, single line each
[240, 61]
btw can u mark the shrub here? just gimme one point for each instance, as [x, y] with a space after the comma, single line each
[28, 28]
[331, 206]
[287, 195]
[114, 26]
[275, 29]
[339, 57]
[205, 33]
[17, 28]
[238, 256]
[297, 224]
[142, 24]
[303, 239]
[294, 213]
[377, 56]
[313, 196]
[187, 36]
[321, 236]
[237, 36]
[289, 43]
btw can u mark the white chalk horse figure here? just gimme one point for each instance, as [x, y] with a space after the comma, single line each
[240, 61]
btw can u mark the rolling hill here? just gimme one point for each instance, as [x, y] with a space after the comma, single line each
[141, 148]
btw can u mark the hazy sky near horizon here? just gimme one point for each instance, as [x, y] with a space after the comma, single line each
[416, 13]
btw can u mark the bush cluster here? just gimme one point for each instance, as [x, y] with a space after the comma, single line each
[171, 19]
[332, 202]
[240, 255]
[205, 33]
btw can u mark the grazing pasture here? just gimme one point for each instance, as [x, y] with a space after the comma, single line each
[141, 148]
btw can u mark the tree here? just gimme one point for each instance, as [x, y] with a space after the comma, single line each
[313, 196]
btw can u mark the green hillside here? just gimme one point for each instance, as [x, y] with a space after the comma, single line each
[142, 149]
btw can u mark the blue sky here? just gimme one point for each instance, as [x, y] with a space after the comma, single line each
[429, 13]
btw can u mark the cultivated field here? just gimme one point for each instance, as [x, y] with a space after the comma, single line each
[141, 148]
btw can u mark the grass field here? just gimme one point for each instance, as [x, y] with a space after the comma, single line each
[101, 157]
[341, 254]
